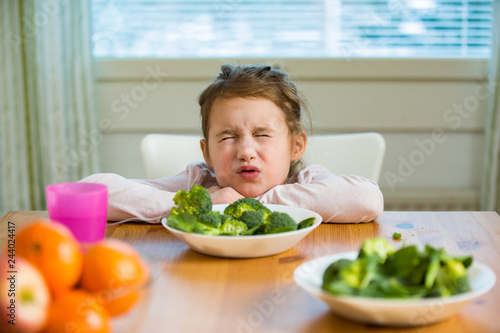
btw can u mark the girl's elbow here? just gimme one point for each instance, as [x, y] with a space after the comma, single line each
[375, 211]
[374, 205]
[102, 178]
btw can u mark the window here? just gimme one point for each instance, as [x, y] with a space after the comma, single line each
[291, 28]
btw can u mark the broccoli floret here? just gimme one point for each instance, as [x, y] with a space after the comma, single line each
[377, 246]
[434, 263]
[252, 218]
[187, 222]
[233, 227]
[254, 221]
[332, 282]
[390, 287]
[206, 229]
[197, 201]
[362, 277]
[452, 279]
[446, 275]
[211, 218]
[465, 260]
[360, 273]
[396, 235]
[183, 221]
[345, 276]
[208, 224]
[245, 204]
[280, 222]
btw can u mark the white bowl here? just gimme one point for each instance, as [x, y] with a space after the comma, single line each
[390, 312]
[252, 246]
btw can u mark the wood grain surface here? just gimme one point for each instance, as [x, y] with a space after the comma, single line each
[192, 292]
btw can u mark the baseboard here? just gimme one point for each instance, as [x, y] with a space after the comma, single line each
[431, 200]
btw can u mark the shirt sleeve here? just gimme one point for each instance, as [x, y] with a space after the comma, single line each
[149, 200]
[340, 199]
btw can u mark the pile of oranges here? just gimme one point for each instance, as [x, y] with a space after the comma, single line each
[86, 285]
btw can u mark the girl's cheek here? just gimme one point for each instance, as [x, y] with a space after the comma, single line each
[222, 180]
[270, 150]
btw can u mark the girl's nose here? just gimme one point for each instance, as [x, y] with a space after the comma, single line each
[246, 150]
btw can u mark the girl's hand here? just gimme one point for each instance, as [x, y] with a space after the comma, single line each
[223, 195]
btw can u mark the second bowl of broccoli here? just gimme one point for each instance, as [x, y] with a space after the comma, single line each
[381, 285]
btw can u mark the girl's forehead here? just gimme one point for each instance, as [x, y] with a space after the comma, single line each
[245, 112]
[242, 101]
[237, 106]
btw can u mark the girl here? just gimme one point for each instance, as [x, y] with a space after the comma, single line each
[252, 145]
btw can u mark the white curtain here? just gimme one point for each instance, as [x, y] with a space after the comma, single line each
[491, 176]
[48, 122]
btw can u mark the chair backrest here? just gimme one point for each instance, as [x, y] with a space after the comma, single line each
[359, 154]
[165, 155]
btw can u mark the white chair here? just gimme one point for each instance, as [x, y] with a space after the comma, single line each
[359, 154]
[165, 155]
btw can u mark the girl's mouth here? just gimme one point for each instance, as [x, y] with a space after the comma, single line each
[248, 172]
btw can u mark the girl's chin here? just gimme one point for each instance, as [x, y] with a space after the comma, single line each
[250, 192]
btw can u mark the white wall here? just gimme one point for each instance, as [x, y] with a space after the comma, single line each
[430, 111]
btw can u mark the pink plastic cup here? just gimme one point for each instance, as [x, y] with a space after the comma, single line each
[82, 207]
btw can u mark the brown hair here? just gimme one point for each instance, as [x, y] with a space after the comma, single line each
[256, 82]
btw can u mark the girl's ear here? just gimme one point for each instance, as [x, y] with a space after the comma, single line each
[204, 150]
[299, 146]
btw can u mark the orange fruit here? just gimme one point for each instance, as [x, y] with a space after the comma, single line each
[77, 311]
[116, 272]
[52, 248]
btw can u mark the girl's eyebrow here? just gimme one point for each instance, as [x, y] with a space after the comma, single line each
[225, 132]
[263, 129]
[230, 131]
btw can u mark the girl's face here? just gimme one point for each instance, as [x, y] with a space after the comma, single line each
[249, 145]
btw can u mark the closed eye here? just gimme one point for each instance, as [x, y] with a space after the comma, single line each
[263, 132]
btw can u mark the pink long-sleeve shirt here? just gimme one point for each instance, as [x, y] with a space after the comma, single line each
[347, 199]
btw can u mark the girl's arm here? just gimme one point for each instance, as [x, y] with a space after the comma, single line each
[336, 198]
[148, 199]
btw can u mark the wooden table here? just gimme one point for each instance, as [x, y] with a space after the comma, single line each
[198, 293]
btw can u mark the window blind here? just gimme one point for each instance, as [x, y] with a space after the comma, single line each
[291, 28]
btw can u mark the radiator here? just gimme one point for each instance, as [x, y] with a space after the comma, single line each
[431, 200]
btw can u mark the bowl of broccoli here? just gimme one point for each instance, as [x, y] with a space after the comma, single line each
[245, 228]
[380, 285]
